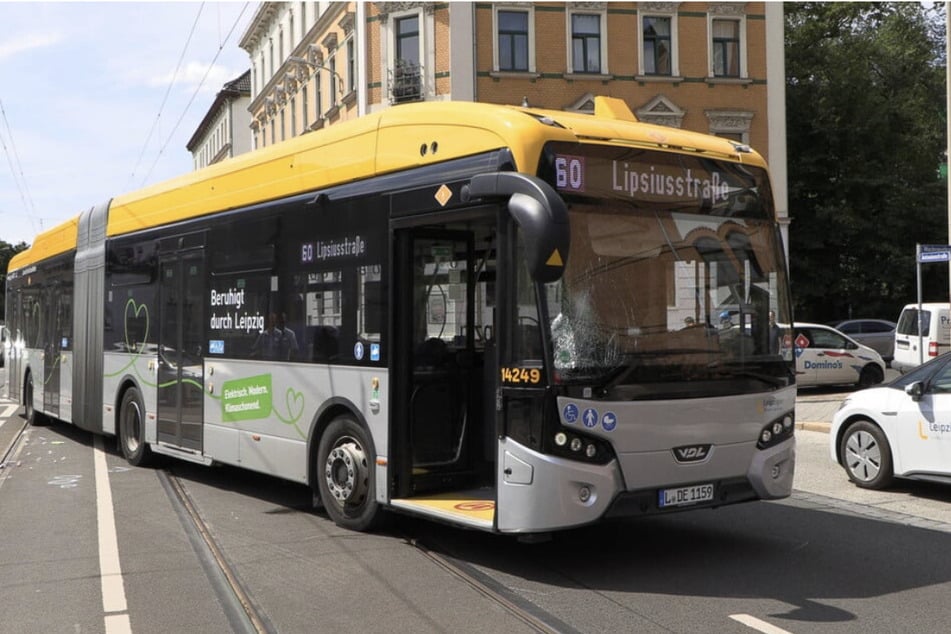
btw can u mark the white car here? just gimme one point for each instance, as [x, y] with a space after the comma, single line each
[902, 429]
[825, 356]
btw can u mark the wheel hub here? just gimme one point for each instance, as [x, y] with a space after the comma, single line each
[866, 457]
[345, 473]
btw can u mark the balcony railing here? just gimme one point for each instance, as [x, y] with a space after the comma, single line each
[406, 82]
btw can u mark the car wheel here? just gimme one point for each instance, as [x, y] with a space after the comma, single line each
[870, 375]
[866, 455]
[346, 475]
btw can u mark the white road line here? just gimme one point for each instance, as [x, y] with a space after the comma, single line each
[9, 411]
[758, 625]
[113, 590]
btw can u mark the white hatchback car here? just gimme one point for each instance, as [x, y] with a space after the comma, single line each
[825, 356]
[901, 429]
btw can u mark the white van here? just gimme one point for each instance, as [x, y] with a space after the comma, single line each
[910, 349]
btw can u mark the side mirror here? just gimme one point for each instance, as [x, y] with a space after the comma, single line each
[915, 390]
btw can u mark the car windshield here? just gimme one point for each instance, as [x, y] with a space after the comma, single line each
[922, 372]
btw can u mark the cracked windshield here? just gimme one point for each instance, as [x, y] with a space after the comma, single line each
[673, 276]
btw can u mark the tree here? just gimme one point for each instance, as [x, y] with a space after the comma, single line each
[866, 120]
[7, 251]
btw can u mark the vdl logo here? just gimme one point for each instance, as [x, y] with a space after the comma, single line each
[692, 453]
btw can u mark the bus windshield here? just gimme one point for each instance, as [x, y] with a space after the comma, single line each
[663, 296]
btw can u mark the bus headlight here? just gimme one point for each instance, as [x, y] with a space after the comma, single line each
[776, 431]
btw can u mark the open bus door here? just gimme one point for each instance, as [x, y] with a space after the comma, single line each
[443, 433]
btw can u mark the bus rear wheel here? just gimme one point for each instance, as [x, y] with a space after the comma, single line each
[345, 475]
[132, 429]
[33, 417]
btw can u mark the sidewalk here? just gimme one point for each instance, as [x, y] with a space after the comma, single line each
[814, 410]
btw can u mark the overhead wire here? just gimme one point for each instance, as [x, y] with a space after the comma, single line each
[198, 88]
[168, 91]
[16, 169]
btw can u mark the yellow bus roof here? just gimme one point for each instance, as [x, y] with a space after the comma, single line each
[59, 239]
[401, 137]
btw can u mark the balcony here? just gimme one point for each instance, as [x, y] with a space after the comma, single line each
[406, 82]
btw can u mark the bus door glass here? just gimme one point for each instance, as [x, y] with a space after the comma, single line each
[521, 375]
[181, 371]
[444, 325]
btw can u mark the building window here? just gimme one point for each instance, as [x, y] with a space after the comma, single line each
[513, 40]
[726, 51]
[407, 39]
[333, 78]
[657, 50]
[261, 75]
[351, 65]
[283, 126]
[273, 132]
[303, 20]
[406, 74]
[319, 96]
[304, 106]
[734, 125]
[293, 116]
[585, 43]
[271, 53]
[726, 48]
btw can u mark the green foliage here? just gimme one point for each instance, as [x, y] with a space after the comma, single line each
[7, 251]
[865, 100]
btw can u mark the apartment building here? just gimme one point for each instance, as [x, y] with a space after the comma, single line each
[714, 67]
[224, 130]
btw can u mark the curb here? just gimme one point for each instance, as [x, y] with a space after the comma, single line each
[820, 427]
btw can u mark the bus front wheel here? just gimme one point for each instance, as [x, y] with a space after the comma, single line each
[132, 429]
[345, 475]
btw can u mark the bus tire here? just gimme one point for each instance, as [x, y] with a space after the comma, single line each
[866, 455]
[132, 429]
[346, 477]
[33, 417]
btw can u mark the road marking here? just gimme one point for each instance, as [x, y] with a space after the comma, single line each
[110, 572]
[9, 411]
[758, 625]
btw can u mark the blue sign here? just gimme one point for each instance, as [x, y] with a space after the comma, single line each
[374, 352]
[590, 417]
[570, 413]
[934, 253]
[609, 421]
[358, 350]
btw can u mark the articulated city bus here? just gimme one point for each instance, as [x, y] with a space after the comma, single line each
[503, 318]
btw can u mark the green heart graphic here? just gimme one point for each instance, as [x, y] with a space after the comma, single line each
[139, 321]
[295, 403]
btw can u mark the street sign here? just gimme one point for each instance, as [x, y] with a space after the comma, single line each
[934, 253]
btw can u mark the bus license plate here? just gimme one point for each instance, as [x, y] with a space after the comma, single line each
[682, 496]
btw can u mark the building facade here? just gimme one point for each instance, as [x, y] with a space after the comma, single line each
[223, 132]
[713, 67]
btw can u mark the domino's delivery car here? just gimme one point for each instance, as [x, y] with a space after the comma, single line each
[911, 350]
[825, 356]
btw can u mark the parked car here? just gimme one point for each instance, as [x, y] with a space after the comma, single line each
[897, 430]
[825, 356]
[877, 334]
[912, 349]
